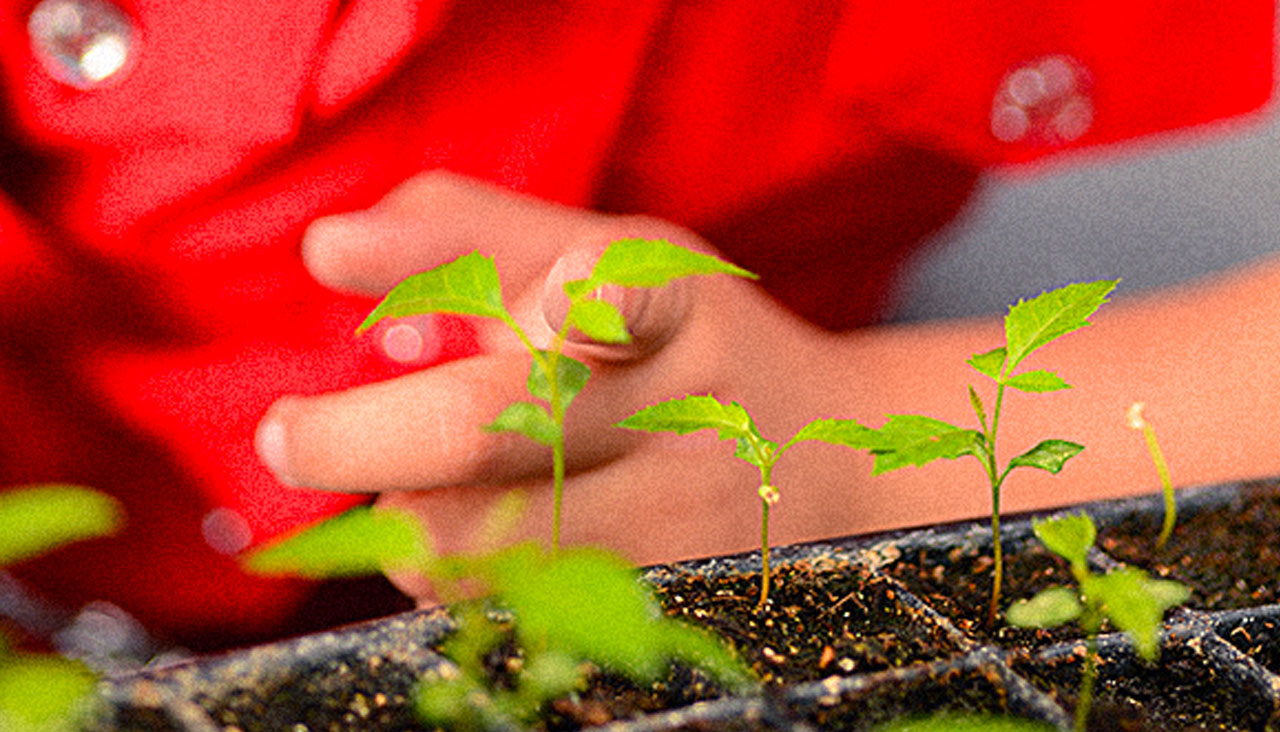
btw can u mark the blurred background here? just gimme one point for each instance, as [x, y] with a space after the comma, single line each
[1158, 212]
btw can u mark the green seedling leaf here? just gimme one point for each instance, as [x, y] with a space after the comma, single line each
[36, 519]
[756, 450]
[600, 320]
[692, 413]
[361, 541]
[528, 419]
[1033, 323]
[466, 286]
[910, 439]
[588, 603]
[655, 262]
[44, 694]
[1050, 608]
[450, 702]
[1135, 604]
[1067, 536]
[1050, 455]
[979, 410]
[955, 722]
[839, 432]
[989, 363]
[1037, 382]
[571, 373]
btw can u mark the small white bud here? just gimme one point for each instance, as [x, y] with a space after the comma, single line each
[769, 494]
[1134, 416]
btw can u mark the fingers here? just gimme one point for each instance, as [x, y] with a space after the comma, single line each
[652, 315]
[433, 218]
[424, 430]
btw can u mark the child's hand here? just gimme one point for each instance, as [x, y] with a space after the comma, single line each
[417, 438]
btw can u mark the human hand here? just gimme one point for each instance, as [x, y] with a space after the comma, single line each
[416, 438]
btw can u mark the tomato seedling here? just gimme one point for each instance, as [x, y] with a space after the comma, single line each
[1029, 325]
[469, 285]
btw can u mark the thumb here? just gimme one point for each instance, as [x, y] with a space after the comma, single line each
[652, 314]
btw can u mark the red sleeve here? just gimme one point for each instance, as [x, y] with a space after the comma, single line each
[1014, 81]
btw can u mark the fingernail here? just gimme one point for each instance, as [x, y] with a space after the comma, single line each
[270, 444]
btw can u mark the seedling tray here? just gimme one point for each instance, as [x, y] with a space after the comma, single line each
[863, 629]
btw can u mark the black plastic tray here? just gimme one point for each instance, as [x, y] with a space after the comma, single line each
[1220, 669]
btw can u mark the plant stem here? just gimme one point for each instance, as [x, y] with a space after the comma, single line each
[768, 494]
[1087, 677]
[1166, 483]
[549, 366]
[557, 445]
[997, 551]
[997, 480]
[764, 552]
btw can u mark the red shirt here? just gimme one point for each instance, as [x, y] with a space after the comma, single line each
[153, 304]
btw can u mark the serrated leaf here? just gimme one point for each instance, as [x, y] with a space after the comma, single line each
[1067, 536]
[1048, 609]
[1050, 455]
[466, 286]
[988, 363]
[655, 262]
[1135, 604]
[571, 373]
[36, 519]
[690, 414]
[917, 440]
[361, 541]
[1037, 382]
[528, 419]
[839, 432]
[979, 410]
[600, 320]
[1033, 323]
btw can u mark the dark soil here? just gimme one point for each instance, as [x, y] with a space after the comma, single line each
[1178, 694]
[957, 583]
[1229, 557]
[823, 618]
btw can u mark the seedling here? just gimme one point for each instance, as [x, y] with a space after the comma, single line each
[41, 692]
[732, 422]
[579, 607]
[1030, 324]
[1126, 597]
[1136, 421]
[469, 285]
[954, 722]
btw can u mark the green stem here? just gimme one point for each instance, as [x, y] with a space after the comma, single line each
[557, 451]
[1166, 483]
[766, 481]
[764, 552]
[1087, 677]
[549, 366]
[997, 551]
[997, 480]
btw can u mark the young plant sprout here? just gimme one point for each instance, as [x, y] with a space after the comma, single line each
[40, 691]
[732, 422]
[571, 610]
[956, 722]
[1136, 421]
[1028, 326]
[469, 285]
[1127, 597]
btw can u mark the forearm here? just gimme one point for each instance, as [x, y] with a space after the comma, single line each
[1202, 356]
